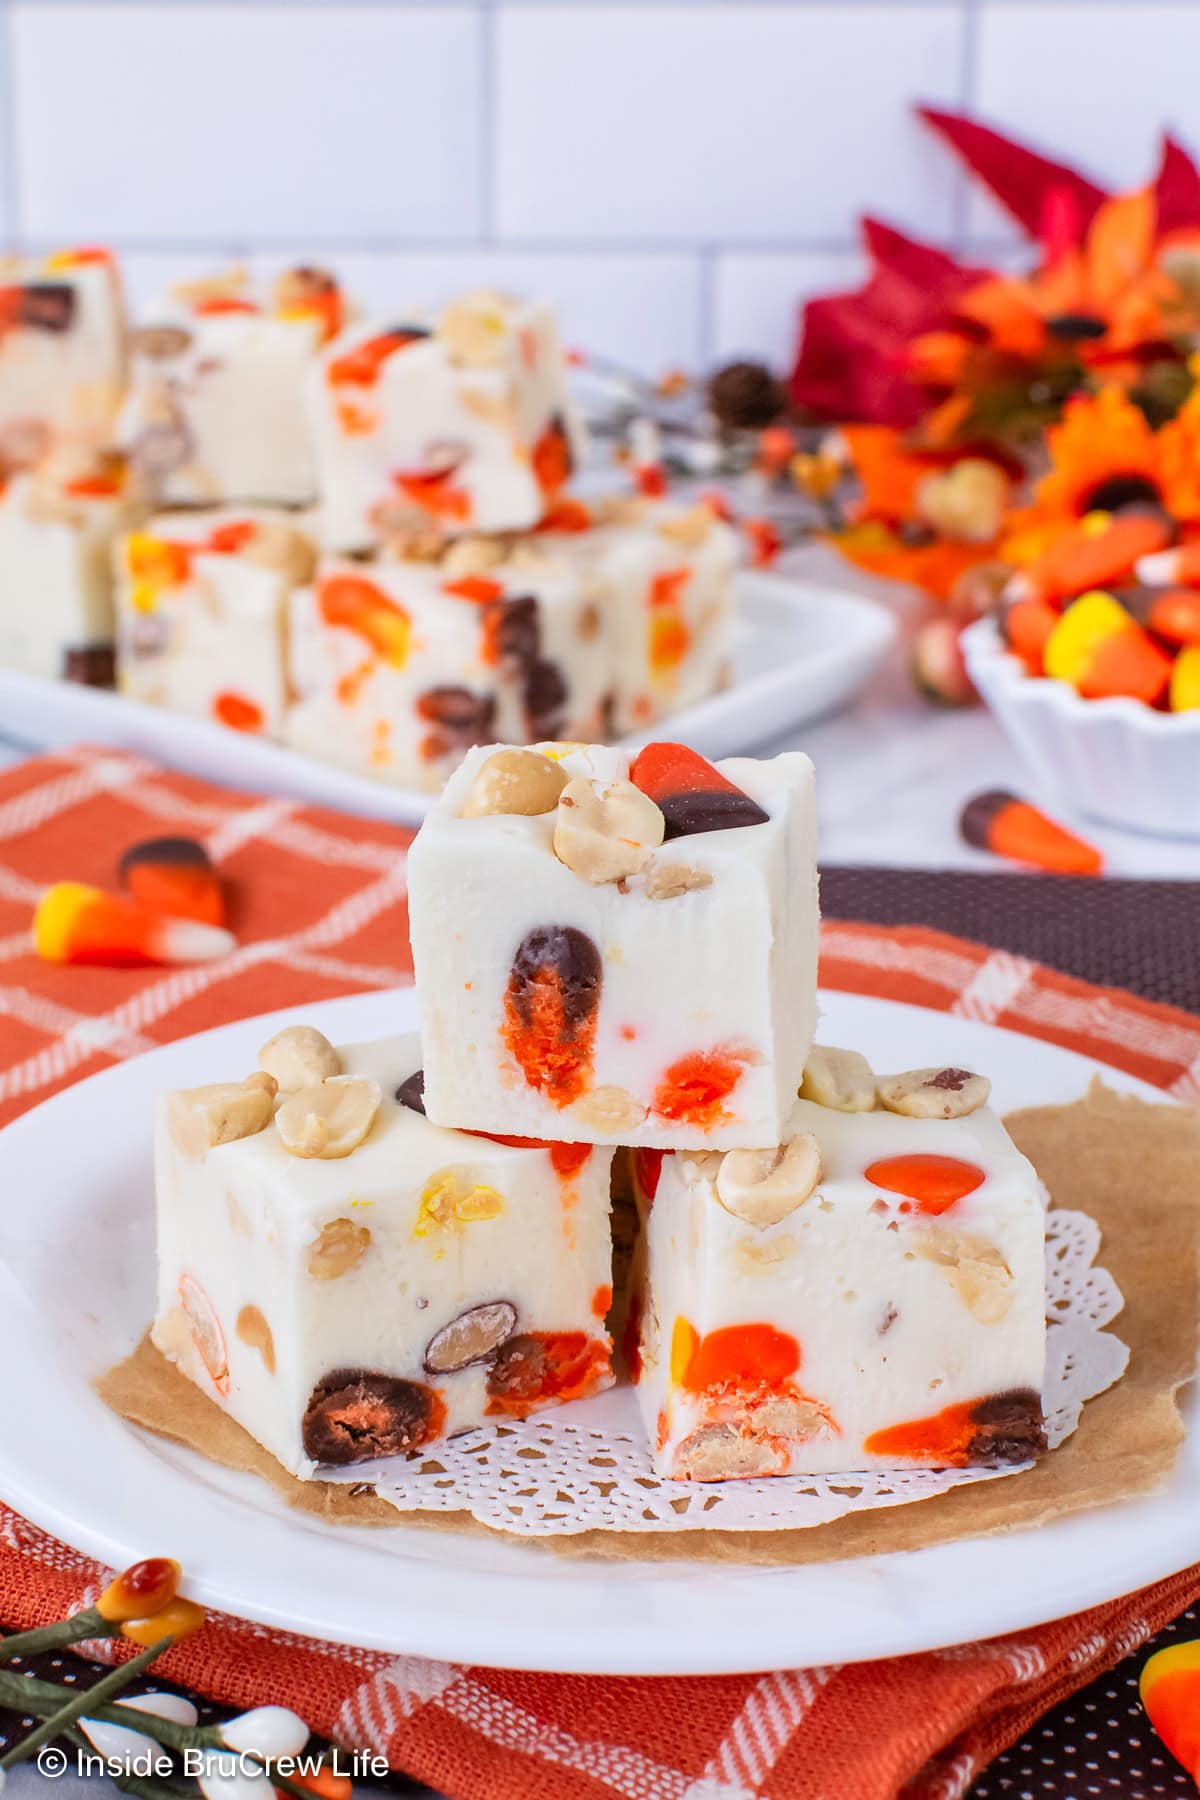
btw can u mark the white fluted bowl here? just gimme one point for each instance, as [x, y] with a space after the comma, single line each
[1115, 760]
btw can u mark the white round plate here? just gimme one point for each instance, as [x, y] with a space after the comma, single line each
[76, 1291]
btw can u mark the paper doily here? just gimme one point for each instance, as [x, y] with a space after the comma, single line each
[588, 1467]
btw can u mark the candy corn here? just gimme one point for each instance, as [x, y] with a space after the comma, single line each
[1012, 828]
[1100, 651]
[692, 794]
[1175, 616]
[1166, 567]
[75, 923]
[173, 875]
[1185, 680]
[1170, 1692]
[1103, 547]
[1026, 626]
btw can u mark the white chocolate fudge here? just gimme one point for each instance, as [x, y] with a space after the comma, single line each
[663, 575]
[62, 353]
[401, 666]
[202, 614]
[465, 425]
[381, 1283]
[869, 1295]
[57, 533]
[215, 411]
[617, 947]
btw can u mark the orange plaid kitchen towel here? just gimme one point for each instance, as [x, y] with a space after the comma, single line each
[317, 902]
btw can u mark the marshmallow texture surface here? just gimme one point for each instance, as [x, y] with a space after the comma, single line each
[342, 1308]
[787, 1328]
[671, 1006]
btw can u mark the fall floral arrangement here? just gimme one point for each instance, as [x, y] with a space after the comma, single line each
[1025, 444]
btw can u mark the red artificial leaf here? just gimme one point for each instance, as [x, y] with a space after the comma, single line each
[1176, 189]
[1027, 185]
[934, 271]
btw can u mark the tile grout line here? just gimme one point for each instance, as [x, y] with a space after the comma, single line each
[488, 111]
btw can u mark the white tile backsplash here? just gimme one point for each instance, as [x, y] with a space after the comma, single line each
[676, 174]
[235, 120]
[729, 122]
[1091, 84]
[757, 299]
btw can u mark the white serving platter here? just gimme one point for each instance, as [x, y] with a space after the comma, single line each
[801, 650]
[76, 1290]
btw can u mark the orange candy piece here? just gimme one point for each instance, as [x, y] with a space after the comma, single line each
[552, 460]
[1169, 1686]
[75, 923]
[358, 605]
[691, 792]
[174, 875]
[360, 367]
[238, 712]
[933, 1183]
[745, 1357]
[563, 1365]
[434, 492]
[694, 1089]
[550, 1010]
[1009, 827]
[943, 1439]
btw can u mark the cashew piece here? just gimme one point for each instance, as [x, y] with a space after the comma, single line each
[760, 1187]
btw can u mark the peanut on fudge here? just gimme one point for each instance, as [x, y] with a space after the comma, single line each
[202, 614]
[617, 947]
[868, 1294]
[464, 424]
[402, 665]
[348, 1281]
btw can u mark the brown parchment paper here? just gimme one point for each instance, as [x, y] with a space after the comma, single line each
[1133, 1166]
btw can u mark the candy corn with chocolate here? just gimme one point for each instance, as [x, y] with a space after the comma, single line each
[1010, 827]
[75, 923]
[174, 875]
[1103, 653]
[1169, 1686]
[692, 794]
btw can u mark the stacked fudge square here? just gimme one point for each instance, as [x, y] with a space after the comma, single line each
[362, 1250]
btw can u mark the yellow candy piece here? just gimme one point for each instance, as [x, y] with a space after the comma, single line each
[1095, 524]
[1087, 623]
[1185, 680]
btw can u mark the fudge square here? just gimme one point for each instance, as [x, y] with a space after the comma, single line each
[617, 946]
[202, 614]
[62, 352]
[870, 1294]
[348, 1281]
[664, 577]
[215, 411]
[465, 425]
[58, 528]
[402, 665]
